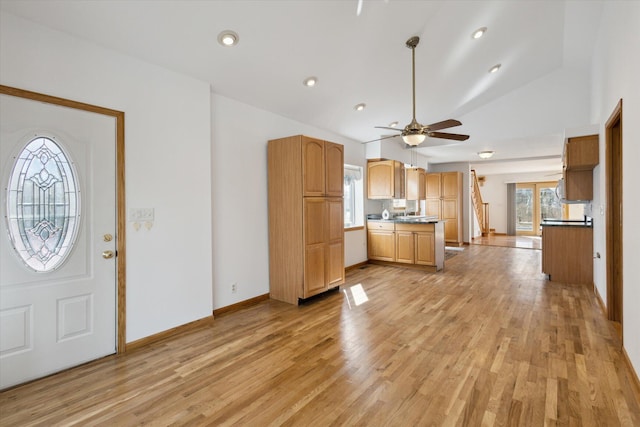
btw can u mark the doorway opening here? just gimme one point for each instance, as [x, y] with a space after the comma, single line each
[613, 184]
[536, 201]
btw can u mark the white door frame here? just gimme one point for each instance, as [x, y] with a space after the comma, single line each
[120, 200]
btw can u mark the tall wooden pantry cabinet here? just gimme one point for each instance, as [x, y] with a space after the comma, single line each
[306, 225]
[444, 199]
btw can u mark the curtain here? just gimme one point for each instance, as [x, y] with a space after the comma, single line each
[511, 209]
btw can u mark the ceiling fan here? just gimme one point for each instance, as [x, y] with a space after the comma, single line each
[414, 133]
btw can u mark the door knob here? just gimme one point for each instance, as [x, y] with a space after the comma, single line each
[107, 254]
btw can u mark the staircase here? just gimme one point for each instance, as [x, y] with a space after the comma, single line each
[481, 209]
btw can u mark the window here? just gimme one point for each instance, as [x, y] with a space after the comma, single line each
[353, 197]
[43, 205]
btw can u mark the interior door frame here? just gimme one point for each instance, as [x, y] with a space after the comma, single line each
[121, 335]
[613, 173]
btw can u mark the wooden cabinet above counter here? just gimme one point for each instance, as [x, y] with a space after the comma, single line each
[385, 179]
[580, 156]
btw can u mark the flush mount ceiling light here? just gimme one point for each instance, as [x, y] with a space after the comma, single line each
[495, 68]
[486, 154]
[479, 33]
[393, 124]
[360, 107]
[310, 81]
[228, 38]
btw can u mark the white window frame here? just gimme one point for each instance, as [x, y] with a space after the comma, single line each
[353, 196]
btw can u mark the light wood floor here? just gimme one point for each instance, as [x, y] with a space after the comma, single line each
[486, 342]
[523, 242]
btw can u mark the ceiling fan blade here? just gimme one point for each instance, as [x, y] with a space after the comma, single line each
[443, 135]
[380, 139]
[384, 127]
[443, 125]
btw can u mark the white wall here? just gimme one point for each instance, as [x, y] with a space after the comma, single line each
[615, 76]
[239, 184]
[167, 149]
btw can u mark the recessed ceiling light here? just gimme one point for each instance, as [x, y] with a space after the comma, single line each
[360, 107]
[486, 154]
[495, 68]
[479, 33]
[310, 81]
[393, 124]
[228, 38]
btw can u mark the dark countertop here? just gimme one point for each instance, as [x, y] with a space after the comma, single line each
[396, 220]
[567, 223]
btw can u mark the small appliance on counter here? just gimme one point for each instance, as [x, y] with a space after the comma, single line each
[385, 214]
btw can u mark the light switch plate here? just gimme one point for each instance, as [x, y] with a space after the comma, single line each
[141, 214]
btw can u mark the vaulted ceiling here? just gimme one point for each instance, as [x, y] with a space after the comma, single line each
[520, 112]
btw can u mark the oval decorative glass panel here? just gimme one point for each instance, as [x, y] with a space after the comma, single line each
[43, 205]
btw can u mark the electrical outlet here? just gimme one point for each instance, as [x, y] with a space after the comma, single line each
[234, 288]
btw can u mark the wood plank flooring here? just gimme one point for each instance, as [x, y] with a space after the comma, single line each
[487, 342]
[523, 242]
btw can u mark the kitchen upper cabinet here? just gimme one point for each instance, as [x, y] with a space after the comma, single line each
[385, 179]
[580, 156]
[581, 153]
[306, 225]
[444, 199]
[415, 184]
[323, 168]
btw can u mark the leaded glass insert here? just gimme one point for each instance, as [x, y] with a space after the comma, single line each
[43, 205]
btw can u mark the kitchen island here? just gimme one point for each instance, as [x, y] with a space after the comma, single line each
[567, 251]
[416, 242]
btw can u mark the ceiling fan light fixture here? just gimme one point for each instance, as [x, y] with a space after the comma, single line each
[310, 81]
[360, 106]
[414, 139]
[495, 68]
[479, 33]
[486, 154]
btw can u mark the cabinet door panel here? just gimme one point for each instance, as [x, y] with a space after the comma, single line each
[314, 270]
[450, 184]
[313, 167]
[334, 156]
[315, 219]
[335, 268]
[414, 184]
[382, 245]
[404, 247]
[380, 180]
[432, 207]
[425, 248]
[336, 220]
[433, 186]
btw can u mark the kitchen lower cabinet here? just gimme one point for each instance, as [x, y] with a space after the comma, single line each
[410, 244]
[567, 253]
[425, 251]
[405, 247]
[381, 243]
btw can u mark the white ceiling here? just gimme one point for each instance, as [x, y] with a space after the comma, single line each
[520, 112]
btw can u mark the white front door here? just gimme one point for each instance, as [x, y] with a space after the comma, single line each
[57, 234]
